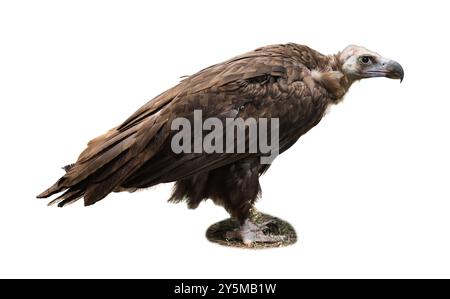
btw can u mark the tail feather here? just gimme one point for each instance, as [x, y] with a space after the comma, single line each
[71, 195]
[70, 200]
[95, 178]
[56, 188]
[114, 176]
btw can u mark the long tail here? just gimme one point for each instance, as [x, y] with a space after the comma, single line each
[107, 162]
[70, 196]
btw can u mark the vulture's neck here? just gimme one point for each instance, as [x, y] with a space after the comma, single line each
[332, 78]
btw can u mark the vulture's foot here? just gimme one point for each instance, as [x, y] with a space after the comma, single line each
[259, 231]
[250, 233]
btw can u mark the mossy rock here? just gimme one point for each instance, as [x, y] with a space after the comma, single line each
[277, 227]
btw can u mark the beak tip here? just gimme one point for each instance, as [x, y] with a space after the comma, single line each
[395, 70]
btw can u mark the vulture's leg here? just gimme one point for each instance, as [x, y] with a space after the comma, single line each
[236, 187]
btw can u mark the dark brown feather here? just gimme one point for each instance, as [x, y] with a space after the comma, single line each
[270, 82]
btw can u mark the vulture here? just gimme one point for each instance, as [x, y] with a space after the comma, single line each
[290, 83]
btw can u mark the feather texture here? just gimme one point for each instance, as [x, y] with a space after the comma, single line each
[291, 82]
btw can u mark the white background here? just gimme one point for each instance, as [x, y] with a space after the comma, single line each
[367, 189]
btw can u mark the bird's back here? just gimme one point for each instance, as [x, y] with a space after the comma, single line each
[270, 82]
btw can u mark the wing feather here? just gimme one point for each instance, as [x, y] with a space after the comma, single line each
[262, 83]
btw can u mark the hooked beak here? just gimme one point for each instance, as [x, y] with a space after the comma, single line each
[386, 68]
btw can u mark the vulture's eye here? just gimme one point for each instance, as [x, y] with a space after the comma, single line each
[365, 59]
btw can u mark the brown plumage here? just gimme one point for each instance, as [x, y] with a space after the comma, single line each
[291, 82]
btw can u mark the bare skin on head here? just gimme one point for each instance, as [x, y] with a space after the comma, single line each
[360, 63]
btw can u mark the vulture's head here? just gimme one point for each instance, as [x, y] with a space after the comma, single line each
[359, 63]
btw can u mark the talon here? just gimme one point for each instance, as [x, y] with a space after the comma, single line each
[250, 233]
[247, 242]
